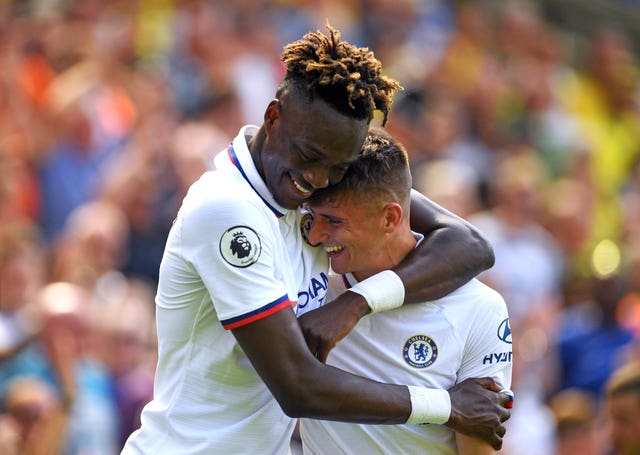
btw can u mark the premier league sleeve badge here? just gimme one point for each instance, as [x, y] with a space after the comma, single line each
[240, 246]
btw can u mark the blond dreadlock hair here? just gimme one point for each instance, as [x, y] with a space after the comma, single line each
[343, 75]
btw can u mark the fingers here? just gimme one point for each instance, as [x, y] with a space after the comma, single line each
[505, 415]
[319, 349]
[323, 351]
[507, 399]
[317, 345]
[496, 438]
[491, 384]
[312, 343]
[321, 355]
[496, 442]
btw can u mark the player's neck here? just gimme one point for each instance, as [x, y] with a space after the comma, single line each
[254, 143]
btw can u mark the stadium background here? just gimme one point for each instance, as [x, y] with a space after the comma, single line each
[519, 116]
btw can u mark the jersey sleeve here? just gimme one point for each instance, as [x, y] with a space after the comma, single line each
[233, 245]
[488, 347]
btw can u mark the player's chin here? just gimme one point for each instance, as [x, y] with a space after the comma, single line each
[338, 267]
[290, 197]
[289, 200]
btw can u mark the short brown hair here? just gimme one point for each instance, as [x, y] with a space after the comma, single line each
[381, 169]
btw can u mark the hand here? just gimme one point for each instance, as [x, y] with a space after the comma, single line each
[324, 327]
[478, 410]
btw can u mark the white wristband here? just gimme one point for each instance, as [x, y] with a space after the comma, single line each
[382, 291]
[429, 405]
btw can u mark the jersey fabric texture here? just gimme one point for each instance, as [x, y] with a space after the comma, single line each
[233, 256]
[434, 344]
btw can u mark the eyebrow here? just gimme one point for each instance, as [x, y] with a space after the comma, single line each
[330, 217]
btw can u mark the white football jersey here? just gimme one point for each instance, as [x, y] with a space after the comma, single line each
[434, 344]
[233, 256]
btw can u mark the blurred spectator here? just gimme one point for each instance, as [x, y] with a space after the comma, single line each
[22, 273]
[255, 71]
[528, 272]
[127, 346]
[19, 198]
[602, 97]
[622, 407]
[409, 36]
[110, 110]
[141, 182]
[34, 420]
[291, 19]
[528, 268]
[447, 136]
[450, 183]
[92, 244]
[469, 50]
[93, 112]
[186, 63]
[63, 356]
[591, 351]
[191, 150]
[70, 172]
[578, 430]
[570, 202]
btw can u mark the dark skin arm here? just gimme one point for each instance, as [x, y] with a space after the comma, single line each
[306, 387]
[452, 253]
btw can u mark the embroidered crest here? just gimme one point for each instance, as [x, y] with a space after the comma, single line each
[240, 246]
[420, 351]
[305, 227]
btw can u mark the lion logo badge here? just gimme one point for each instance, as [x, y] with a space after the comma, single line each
[240, 246]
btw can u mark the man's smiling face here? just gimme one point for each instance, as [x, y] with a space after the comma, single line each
[309, 146]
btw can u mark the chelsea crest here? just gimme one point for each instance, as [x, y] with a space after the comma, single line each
[420, 351]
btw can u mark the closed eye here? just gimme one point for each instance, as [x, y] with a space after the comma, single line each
[332, 220]
[308, 157]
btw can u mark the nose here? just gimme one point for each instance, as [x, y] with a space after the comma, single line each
[317, 177]
[317, 232]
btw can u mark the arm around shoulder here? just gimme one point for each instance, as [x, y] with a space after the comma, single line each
[305, 387]
[452, 253]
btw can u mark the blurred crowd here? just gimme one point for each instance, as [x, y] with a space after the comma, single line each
[110, 109]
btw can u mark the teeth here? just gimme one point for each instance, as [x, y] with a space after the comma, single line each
[333, 249]
[300, 188]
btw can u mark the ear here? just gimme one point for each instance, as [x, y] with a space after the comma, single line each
[392, 216]
[272, 114]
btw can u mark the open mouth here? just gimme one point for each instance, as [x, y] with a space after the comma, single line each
[334, 249]
[301, 189]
